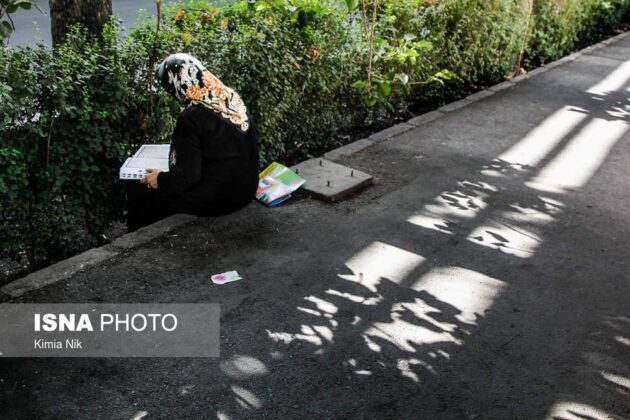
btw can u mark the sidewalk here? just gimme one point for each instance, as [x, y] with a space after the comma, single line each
[485, 275]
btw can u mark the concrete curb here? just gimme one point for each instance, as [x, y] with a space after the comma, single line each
[454, 106]
[65, 269]
[425, 118]
[348, 149]
[59, 271]
[394, 131]
[390, 132]
[501, 86]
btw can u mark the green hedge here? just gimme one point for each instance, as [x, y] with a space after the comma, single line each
[561, 24]
[68, 118]
[64, 124]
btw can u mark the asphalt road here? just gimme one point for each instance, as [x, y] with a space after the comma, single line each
[484, 276]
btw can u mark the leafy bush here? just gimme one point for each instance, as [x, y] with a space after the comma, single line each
[305, 68]
[475, 40]
[560, 24]
[293, 64]
[64, 119]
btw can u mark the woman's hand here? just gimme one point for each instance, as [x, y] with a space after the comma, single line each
[151, 180]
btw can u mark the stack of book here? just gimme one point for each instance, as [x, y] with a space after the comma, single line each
[276, 183]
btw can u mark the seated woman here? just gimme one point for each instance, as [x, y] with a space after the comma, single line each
[213, 160]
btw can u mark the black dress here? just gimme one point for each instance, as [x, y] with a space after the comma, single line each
[213, 170]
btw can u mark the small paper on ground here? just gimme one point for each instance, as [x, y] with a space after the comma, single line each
[227, 277]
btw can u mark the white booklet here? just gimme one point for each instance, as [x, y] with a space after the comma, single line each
[148, 156]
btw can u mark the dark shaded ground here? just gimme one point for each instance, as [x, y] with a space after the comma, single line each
[453, 288]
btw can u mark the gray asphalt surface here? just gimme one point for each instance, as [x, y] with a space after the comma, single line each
[484, 276]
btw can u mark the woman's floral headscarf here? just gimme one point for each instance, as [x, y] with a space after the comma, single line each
[184, 77]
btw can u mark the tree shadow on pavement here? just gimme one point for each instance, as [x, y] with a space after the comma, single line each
[488, 299]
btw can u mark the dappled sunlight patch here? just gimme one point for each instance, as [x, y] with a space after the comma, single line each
[551, 205]
[245, 398]
[139, 415]
[381, 260]
[407, 335]
[371, 344]
[363, 372]
[539, 142]
[370, 301]
[442, 353]
[280, 337]
[353, 365]
[322, 305]
[447, 210]
[421, 310]
[468, 291]
[581, 158]
[619, 380]
[623, 340]
[573, 410]
[309, 311]
[516, 230]
[222, 416]
[507, 238]
[243, 367]
[434, 222]
[406, 368]
[458, 203]
[529, 215]
[307, 330]
[315, 335]
[498, 168]
[423, 321]
[309, 336]
[621, 113]
[324, 332]
[614, 81]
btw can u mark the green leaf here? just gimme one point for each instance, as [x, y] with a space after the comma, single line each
[5, 29]
[445, 75]
[423, 45]
[352, 4]
[385, 89]
[26, 5]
